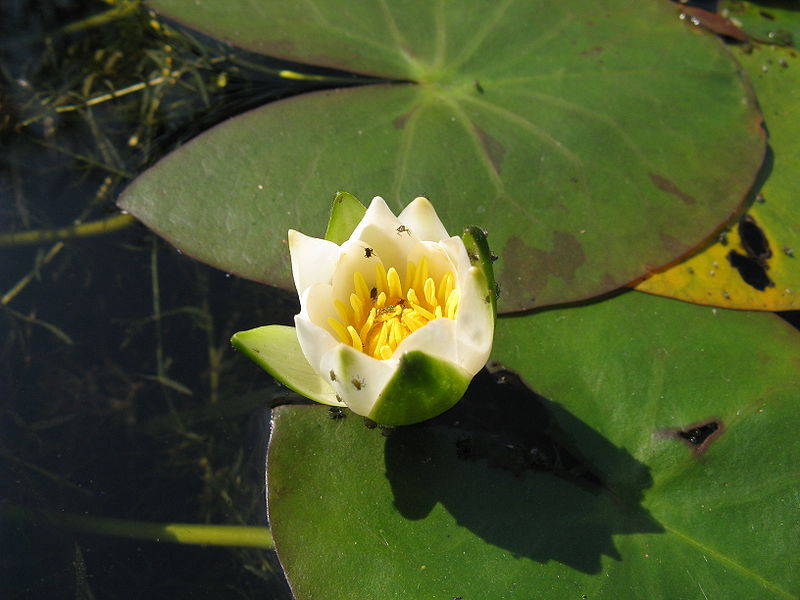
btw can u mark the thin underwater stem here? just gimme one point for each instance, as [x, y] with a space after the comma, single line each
[174, 533]
[41, 236]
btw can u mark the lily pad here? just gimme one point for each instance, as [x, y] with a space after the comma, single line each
[773, 21]
[690, 439]
[755, 264]
[706, 398]
[592, 157]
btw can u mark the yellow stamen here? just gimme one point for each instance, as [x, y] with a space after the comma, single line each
[367, 325]
[358, 308]
[422, 273]
[356, 340]
[451, 306]
[428, 315]
[340, 330]
[380, 277]
[393, 279]
[445, 288]
[341, 311]
[430, 292]
[360, 285]
[410, 269]
[381, 315]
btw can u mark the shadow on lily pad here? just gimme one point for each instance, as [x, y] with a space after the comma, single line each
[499, 470]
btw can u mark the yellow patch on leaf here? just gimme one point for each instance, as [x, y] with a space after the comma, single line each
[750, 267]
[755, 263]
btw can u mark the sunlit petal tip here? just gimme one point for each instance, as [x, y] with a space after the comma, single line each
[378, 213]
[420, 217]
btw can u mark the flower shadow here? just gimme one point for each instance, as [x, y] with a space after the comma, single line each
[498, 468]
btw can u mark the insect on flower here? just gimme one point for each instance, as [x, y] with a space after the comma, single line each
[399, 337]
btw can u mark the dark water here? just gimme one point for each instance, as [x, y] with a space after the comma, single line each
[119, 393]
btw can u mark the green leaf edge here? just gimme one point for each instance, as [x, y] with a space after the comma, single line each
[275, 349]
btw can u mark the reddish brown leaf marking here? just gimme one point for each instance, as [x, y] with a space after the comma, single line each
[494, 149]
[526, 268]
[666, 185]
[715, 22]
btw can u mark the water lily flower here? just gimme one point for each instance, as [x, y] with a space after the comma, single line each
[396, 320]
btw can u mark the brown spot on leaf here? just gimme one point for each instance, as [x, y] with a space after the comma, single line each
[666, 185]
[714, 21]
[494, 149]
[592, 50]
[673, 245]
[400, 122]
[527, 268]
[697, 436]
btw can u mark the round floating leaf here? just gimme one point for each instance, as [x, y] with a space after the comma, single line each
[756, 263]
[692, 436]
[774, 22]
[706, 399]
[594, 141]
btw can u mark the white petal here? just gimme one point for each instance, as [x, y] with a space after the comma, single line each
[379, 231]
[353, 257]
[458, 254]
[315, 340]
[313, 260]
[359, 378]
[378, 215]
[421, 218]
[439, 261]
[474, 322]
[475, 319]
[316, 307]
[438, 338]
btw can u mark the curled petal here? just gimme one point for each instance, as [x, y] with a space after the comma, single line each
[313, 260]
[359, 378]
[474, 322]
[438, 338]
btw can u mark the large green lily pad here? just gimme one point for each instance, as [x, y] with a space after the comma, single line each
[756, 263]
[635, 382]
[595, 141]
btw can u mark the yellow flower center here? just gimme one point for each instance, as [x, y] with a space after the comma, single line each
[381, 317]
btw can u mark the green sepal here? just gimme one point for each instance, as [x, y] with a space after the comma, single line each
[346, 213]
[275, 349]
[481, 256]
[422, 388]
